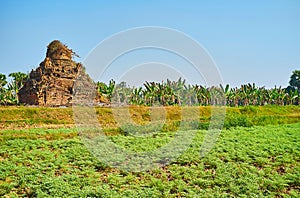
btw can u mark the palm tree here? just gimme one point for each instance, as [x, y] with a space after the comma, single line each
[9, 92]
[19, 78]
[295, 79]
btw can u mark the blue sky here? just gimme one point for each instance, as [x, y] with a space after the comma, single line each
[250, 41]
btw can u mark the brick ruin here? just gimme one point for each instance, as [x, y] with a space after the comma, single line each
[51, 84]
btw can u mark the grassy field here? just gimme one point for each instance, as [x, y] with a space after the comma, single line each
[41, 155]
[39, 117]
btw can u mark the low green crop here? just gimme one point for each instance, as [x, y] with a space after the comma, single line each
[255, 161]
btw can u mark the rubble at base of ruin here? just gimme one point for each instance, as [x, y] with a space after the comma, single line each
[52, 83]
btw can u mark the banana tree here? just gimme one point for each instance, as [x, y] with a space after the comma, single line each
[203, 95]
[121, 93]
[3, 90]
[106, 90]
[136, 96]
[150, 92]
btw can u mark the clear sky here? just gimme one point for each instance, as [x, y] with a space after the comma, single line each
[250, 41]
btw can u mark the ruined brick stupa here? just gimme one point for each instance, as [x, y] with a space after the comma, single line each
[51, 84]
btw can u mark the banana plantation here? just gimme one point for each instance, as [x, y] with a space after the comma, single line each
[179, 93]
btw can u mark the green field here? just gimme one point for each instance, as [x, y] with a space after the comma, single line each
[48, 159]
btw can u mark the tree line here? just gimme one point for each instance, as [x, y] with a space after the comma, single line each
[170, 93]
